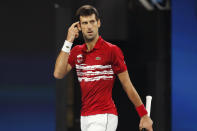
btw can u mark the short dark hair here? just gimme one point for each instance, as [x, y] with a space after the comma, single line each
[87, 10]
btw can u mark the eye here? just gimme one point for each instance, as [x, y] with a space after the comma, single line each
[84, 23]
[92, 21]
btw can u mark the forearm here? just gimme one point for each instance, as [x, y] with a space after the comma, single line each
[145, 121]
[132, 94]
[129, 88]
[61, 65]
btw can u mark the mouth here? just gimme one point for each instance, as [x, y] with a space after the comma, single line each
[90, 32]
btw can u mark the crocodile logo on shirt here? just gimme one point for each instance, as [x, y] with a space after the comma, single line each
[98, 58]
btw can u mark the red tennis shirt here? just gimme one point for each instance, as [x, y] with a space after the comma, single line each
[96, 71]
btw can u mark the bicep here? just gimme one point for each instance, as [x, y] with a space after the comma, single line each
[68, 68]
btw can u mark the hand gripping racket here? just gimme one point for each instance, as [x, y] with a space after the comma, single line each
[148, 107]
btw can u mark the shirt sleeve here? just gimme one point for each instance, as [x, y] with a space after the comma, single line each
[118, 63]
[71, 58]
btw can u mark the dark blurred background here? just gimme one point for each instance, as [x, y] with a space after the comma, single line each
[157, 37]
[27, 55]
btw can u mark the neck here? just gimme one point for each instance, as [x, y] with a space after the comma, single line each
[90, 44]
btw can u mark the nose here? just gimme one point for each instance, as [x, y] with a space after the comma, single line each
[89, 25]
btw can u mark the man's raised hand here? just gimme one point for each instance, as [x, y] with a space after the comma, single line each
[73, 32]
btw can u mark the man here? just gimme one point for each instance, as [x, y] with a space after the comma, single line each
[96, 63]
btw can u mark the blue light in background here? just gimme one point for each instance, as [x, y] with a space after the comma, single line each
[27, 93]
[27, 108]
[184, 65]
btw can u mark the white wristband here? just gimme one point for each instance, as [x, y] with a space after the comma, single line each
[67, 46]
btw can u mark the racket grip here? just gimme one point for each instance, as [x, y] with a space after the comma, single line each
[143, 129]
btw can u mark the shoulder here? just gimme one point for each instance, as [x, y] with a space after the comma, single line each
[114, 49]
[77, 48]
[110, 46]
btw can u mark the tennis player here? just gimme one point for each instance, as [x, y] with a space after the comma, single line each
[97, 62]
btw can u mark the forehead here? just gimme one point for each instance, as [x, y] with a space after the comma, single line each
[87, 18]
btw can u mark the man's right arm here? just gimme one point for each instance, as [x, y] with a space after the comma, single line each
[62, 67]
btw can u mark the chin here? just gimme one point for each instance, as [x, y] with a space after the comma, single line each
[89, 38]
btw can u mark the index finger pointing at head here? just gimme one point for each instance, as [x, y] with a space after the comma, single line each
[74, 24]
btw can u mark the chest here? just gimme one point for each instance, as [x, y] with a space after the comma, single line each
[94, 66]
[93, 58]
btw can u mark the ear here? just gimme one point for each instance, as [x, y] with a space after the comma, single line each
[99, 23]
[79, 26]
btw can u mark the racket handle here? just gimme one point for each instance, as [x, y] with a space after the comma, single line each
[148, 107]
